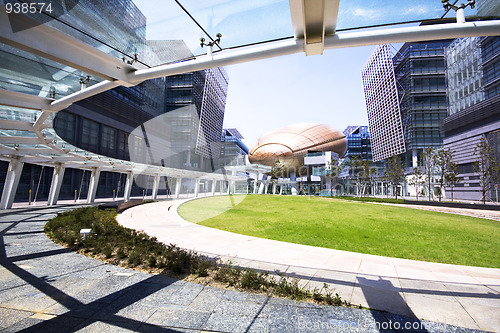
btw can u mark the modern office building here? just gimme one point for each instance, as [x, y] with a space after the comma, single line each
[358, 142]
[413, 103]
[233, 150]
[171, 122]
[90, 56]
[476, 119]
[382, 104]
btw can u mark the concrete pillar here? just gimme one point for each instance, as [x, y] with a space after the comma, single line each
[214, 183]
[11, 183]
[274, 188]
[128, 186]
[266, 187]
[94, 182]
[255, 186]
[196, 187]
[178, 182]
[281, 189]
[156, 186]
[55, 185]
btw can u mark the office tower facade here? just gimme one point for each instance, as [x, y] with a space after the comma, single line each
[418, 92]
[464, 128]
[194, 106]
[382, 105]
[358, 142]
[130, 123]
[233, 150]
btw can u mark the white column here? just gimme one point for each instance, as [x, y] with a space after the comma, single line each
[94, 182]
[281, 189]
[266, 187]
[414, 158]
[214, 182]
[196, 187]
[11, 182]
[156, 185]
[178, 182]
[128, 186]
[255, 185]
[274, 188]
[55, 185]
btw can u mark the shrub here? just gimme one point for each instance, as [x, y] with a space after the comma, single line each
[254, 280]
[229, 274]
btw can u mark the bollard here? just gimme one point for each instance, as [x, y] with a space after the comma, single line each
[29, 200]
[75, 196]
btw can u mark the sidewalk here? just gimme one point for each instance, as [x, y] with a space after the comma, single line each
[47, 288]
[465, 296]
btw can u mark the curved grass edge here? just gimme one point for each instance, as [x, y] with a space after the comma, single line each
[458, 240]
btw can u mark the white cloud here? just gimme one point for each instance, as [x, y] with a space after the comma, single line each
[366, 12]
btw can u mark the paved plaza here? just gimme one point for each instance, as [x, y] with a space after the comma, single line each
[46, 288]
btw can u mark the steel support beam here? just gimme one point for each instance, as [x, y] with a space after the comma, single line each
[214, 184]
[339, 40]
[11, 182]
[49, 43]
[55, 186]
[178, 182]
[196, 187]
[128, 186]
[94, 182]
[21, 100]
[156, 186]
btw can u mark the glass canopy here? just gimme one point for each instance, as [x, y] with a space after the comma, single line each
[146, 33]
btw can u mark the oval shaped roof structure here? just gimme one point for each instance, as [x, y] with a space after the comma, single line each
[289, 144]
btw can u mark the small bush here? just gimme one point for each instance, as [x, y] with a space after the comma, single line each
[291, 289]
[107, 251]
[254, 280]
[136, 248]
[229, 274]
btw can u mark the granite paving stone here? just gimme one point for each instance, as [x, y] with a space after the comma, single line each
[44, 288]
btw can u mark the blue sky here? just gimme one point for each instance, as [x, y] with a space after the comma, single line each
[267, 94]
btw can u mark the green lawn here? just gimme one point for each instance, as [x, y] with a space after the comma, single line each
[354, 226]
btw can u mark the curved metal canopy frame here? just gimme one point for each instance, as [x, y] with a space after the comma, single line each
[314, 24]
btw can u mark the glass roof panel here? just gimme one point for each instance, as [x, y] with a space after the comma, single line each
[366, 13]
[168, 31]
[242, 22]
[27, 73]
[12, 113]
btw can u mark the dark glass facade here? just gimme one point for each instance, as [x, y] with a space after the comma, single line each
[421, 82]
[358, 142]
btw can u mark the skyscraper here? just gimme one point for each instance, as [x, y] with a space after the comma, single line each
[478, 118]
[406, 99]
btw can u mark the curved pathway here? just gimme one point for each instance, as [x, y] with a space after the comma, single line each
[46, 288]
[465, 296]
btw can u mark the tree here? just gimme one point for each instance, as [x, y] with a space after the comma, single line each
[333, 171]
[416, 179]
[486, 166]
[428, 165]
[276, 172]
[451, 178]
[445, 168]
[394, 172]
